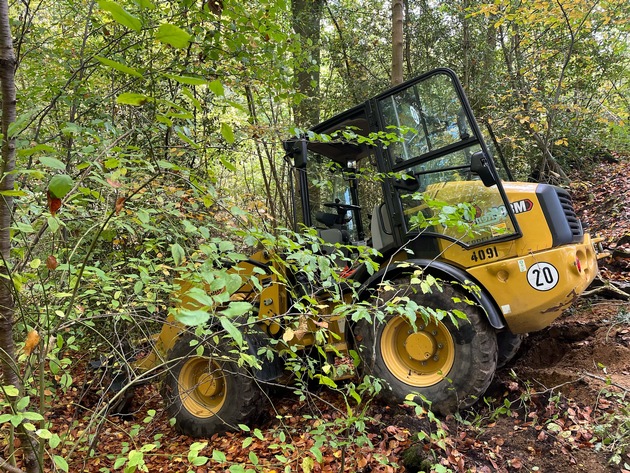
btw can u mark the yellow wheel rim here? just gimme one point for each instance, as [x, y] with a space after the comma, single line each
[421, 357]
[202, 387]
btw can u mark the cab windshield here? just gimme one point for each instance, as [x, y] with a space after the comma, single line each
[437, 154]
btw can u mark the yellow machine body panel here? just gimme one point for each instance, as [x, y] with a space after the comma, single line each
[531, 281]
[532, 290]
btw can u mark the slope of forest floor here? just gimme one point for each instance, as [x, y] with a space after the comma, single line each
[560, 405]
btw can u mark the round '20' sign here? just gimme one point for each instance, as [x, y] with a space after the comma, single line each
[542, 276]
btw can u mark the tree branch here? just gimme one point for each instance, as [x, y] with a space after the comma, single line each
[6, 466]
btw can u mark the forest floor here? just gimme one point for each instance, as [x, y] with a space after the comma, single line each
[561, 405]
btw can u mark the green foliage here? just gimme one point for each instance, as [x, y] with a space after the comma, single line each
[613, 430]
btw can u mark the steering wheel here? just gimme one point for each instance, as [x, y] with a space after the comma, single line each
[342, 207]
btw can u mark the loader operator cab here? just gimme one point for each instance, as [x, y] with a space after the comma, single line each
[395, 168]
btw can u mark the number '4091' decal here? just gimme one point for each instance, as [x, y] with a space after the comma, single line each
[484, 254]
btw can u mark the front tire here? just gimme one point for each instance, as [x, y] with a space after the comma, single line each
[449, 365]
[210, 393]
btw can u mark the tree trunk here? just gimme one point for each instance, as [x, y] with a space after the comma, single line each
[398, 41]
[466, 47]
[7, 84]
[306, 22]
[7, 347]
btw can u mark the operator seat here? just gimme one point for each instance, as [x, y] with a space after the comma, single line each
[380, 226]
[333, 236]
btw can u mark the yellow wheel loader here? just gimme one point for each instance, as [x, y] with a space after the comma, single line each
[388, 175]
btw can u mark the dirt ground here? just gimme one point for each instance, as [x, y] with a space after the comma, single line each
[572, 375]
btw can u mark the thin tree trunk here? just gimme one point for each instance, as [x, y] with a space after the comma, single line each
[307, 16]
[7, 84]
[407, 28]
[7, 306]
[398, 42]
[466, 46]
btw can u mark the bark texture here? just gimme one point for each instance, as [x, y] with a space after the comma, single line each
[306, 22]
[7, 303]
[398, 42]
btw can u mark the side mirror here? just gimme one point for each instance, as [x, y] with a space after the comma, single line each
[480, 165]
[296, 149]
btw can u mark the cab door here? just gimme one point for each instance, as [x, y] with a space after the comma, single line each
[443, 184]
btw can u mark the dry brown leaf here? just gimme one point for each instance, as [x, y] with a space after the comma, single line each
[32, 340]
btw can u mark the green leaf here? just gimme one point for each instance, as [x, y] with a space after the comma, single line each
[228, 165]
[35, 149]
[145, 4]
[60, 185]
[24, 227]
[13, 193]
[178, 253]
[200, 296]
[237, 469]
[33, 416]
[61, 463]
[197, 447]
[119, 462]
[218, 456]
[137, 287]
[54, 441]
[130, 98]
[189, 80]
[136, 457]
[53, 224]
[199, 461]
[43, 434]
[236, 308]
[235, 333]
[143, 216]
[121, 15]
[118, 66]
[227, 132]
[192, 317]
[16, 419]
[65, 380]
[253, 458]
[52, 163]
[173, 35]
[326, 381]
[10, 390]
[318, 455]
[22, 403]
[216, 87]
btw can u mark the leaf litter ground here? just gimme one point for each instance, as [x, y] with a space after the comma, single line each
[550, 410]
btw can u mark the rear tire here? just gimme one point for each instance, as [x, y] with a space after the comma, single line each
[451, 366]
[210, 393]
[509, 344]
